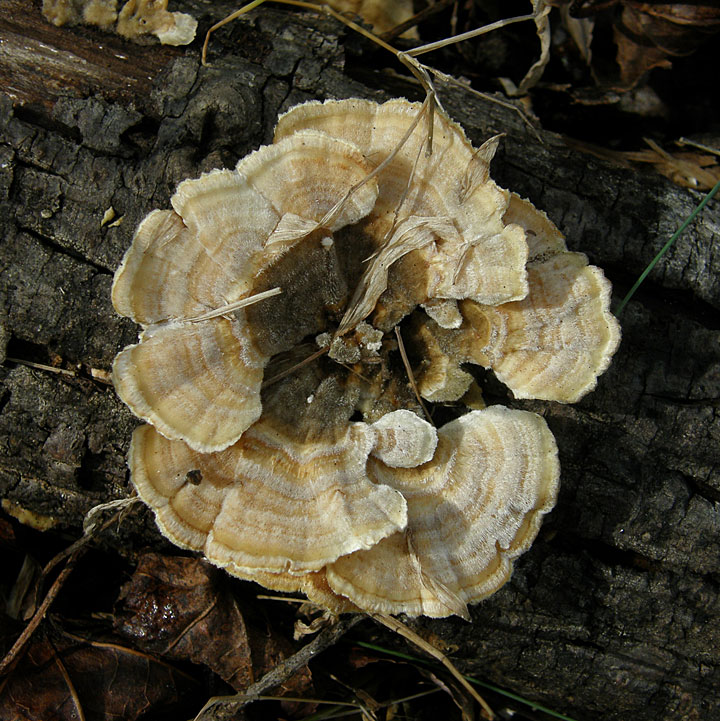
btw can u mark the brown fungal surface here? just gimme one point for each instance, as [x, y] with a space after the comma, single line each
[283, 305]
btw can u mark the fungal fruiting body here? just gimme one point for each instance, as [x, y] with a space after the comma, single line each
[132, 19]
[286, 306]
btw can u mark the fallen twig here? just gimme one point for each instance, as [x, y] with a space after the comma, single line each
[34, 622]
[225, 707]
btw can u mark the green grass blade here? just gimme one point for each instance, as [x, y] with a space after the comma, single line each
[666, 247]
[501, 692]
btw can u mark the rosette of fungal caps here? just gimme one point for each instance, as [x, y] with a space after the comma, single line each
[306, 315]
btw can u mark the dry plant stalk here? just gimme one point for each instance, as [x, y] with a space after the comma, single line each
[421, 72]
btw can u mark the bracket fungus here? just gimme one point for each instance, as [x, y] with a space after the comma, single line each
[134, 20]
[287, 308]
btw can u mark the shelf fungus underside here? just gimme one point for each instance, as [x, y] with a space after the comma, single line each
[302, 313]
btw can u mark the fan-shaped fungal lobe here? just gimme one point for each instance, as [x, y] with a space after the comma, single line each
[194, 381]
[472, 509]
[475, 255]
[552, 344]
[312, 505]
[199, 380]
[289, 307]
[404, 440]
[134, 18]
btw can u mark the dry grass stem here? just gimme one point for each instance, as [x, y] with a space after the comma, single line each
[337, 209]
[469, 35]
[286, 599]
[700, 146]
[71, 688]
[316, 7]
[417, 18]
[12, 655]
[419, 70]
[230, 307]
[408, 368]
[401, 629]
[287, 372]
[42, 367]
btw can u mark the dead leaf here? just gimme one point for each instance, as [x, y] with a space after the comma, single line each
[541, 10]
[182, 608]
[635, 58]
[648, 34]
[542, 27]
[677, 28]
[689, 169]
[63, 678]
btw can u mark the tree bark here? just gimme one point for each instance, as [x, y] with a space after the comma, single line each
[615, 612]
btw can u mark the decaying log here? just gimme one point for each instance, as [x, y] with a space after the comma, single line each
[615, 612]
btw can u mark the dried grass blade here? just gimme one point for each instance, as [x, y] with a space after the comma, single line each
[400, 628]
